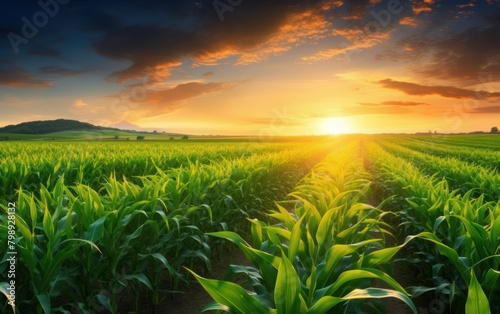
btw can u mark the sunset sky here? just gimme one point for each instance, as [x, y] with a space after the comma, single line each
[254, 66]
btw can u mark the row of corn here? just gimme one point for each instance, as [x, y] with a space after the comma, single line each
[321, 255]
[458, 246]
[86, 249]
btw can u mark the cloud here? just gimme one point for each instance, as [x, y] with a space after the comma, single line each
[158, 99]
[490, 109]
[54, 69]
[394, 103]
[356, 9]
[409, 21]
[206, 74]
[16, 76]
[367, 26]
[462, 56]
[184, 91]
[367, 110]
[253, 31]
[78, 103]
[420, 6]
[358, 41]
[81, 107]
[444, 91]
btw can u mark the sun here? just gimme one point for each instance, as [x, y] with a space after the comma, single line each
[335, 126]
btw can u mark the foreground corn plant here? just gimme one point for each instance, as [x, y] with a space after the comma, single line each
[319, 258]
[86, 249]
[463, 233]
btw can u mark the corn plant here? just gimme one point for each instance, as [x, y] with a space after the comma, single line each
[464, 230]
[320, 257]
[104, 237]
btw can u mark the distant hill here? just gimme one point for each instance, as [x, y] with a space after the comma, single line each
[50, 126]
[125, 125]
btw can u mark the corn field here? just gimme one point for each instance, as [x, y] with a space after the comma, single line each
[323, 223]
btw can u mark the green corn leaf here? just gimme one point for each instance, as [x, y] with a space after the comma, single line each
[324, 228]
[105, 301]
[3, 289]
[380, 257]
[334, 255]
[82, 242]
[48, 227]
[44, 301]
[214, 306]
[232, 296]
[287, 290]
[257, 235]
[141, 278]
[295, 240]
[446, 251]
[477, 302]
[324, 304]
[95, 230]
[376, 293]
[492, 279]
[229, 235]
[356, 274]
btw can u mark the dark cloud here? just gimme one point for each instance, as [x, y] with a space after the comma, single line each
[16, 76]
[207, 39]
[54, 69]
[448, 50]
[444, 91]
[356, 9]
[394, 103]
[465, 56]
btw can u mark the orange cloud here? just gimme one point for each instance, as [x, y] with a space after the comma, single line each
[394, 103]
[300, 27]
[417, 9]
[78, 103]
[409, 21]
[358, 41]
[254, 32]
[444, 91]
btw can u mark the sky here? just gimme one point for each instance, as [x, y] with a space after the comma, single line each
[253, 67]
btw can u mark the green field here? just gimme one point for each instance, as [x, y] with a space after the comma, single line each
[326, 224]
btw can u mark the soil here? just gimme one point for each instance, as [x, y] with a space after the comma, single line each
[195, 298]
[192, 297]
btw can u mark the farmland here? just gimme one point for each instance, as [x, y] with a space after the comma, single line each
[324, 223]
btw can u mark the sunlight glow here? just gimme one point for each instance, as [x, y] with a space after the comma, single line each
[335, 126]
